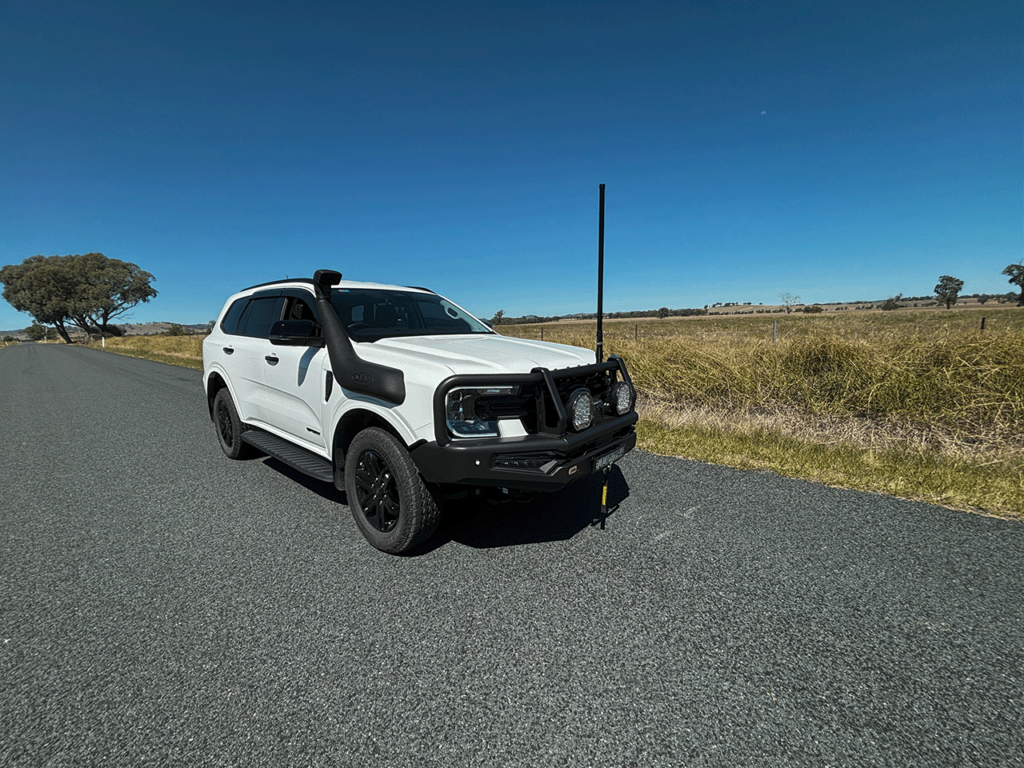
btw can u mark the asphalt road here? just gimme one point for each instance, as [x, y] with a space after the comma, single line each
[162, 605]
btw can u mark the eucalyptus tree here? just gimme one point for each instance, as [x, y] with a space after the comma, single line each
[948, 290]
[1016, 274]
[87, 291]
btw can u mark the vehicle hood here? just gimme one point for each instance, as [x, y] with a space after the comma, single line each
[484, 353]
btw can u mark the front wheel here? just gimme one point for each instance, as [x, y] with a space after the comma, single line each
[390, 503]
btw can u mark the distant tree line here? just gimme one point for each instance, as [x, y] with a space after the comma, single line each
[662, 313]
[946, 291]
[500, 318]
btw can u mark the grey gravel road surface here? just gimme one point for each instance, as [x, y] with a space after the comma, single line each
[162, 605]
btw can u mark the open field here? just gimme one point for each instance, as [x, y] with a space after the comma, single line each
[922, 405]
[186, 351]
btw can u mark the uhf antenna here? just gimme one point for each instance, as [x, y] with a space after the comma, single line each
[600, 278]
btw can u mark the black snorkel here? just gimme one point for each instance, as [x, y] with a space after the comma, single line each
[351, 371]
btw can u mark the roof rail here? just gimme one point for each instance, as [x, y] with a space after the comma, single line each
[280, 282]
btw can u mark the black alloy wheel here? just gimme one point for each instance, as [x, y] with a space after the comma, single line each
[229, 427]
[377, 492]
[227, 431]
[391, 504]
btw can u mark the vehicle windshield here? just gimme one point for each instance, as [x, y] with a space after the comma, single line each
[371, 314]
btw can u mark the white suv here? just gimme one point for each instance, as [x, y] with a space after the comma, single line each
[401, 398]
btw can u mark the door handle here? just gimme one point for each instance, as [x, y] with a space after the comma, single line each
[272, 360]
[228, 351]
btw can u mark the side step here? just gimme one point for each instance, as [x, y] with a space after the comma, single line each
[295, 457]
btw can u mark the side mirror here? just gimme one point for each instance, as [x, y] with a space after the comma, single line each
[295, 333]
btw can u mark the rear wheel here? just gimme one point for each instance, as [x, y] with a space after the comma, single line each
[390, 502]
[229, 427]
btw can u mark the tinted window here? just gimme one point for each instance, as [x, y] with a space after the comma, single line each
[444, 316]
[299, 309]
[376, 314]
[230, 322]
[262, 314]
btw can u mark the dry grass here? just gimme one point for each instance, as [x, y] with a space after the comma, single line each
[935, 374]
[992, 488]
[940, 400]
[186, 351]
[868, 433]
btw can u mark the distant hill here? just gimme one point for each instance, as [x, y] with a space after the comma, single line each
[130, 329]
[747, 308]
[148, 329]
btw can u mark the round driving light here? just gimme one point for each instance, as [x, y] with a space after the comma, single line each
[622, 398]
[581, 409]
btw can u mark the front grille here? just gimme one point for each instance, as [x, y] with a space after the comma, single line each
[541, 396]
[598, 383]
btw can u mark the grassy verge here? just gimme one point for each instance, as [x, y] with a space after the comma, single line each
[186, 351]
[961, 483]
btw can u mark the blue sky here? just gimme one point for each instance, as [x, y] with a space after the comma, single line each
[834, 150]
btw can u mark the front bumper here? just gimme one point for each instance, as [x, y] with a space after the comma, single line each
[534, 463]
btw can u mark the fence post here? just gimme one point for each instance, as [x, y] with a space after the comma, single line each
[636, 331]
[775, 324]
[542, 333]
[983, 323]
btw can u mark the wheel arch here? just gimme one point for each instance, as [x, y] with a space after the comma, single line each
[214, 384]
[354, 421]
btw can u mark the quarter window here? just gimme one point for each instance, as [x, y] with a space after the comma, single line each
[230, 322]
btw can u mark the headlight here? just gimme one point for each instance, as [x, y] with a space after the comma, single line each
[460, 411]
[622, 398]
[581, 409]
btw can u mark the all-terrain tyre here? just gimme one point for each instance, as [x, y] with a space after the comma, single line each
[229, 427]
[390, 502]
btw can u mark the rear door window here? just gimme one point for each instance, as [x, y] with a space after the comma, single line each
[262, 314]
